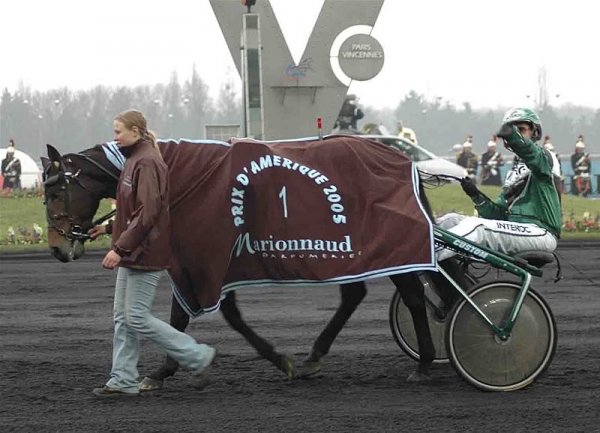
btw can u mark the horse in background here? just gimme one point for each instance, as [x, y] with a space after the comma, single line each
[76, 183]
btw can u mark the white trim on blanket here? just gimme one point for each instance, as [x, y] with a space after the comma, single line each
[114, 155]
[282, 140]
[294, 283]
[416, 180]
[194, 141]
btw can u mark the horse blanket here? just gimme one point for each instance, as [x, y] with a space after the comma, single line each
[250, 213]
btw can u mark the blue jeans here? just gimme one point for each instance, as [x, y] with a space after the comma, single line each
[134, 294]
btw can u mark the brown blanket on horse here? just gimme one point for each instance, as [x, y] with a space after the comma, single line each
[251, 213]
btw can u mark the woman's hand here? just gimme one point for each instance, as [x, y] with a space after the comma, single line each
[111, 260]
[96, 231]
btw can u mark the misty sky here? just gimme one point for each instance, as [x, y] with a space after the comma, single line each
[485, 52]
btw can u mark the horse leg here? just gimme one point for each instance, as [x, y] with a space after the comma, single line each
[412, 293]
[352, 295]
[233, 316]
[155, 380]
[457, 273]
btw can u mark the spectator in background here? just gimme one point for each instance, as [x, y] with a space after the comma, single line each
[457, 149]
[469, 140]
[349, 114]
[491, 161]
[582, 167]
[468, 159]
[11, 168]
[406, 133]
[556, 168]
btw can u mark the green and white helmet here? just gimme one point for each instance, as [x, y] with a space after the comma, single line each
[516, 115]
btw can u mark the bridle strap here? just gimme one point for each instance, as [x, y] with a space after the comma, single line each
[67, 176]
[75, 230]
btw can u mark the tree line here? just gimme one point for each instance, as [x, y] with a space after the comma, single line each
[441, 125]
[75, 120]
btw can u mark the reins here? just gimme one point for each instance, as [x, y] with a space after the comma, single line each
[436, 180]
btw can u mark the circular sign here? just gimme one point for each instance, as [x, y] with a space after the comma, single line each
[361, 57]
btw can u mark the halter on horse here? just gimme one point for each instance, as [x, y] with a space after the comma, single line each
[69, 210]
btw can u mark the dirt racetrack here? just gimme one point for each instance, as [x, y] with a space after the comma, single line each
[56, 330]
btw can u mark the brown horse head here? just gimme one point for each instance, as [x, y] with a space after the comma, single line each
[72, 192]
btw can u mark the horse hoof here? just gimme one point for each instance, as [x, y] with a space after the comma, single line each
[308, 368]
[288, 368]
[201, 380]
[418, 376]
[149, 384]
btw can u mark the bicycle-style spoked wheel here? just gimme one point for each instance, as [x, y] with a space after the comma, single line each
[488, 362]
[403, 329]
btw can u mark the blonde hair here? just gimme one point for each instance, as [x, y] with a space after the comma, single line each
[135, 118]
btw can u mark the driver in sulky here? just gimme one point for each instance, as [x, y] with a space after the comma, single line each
[527, 214]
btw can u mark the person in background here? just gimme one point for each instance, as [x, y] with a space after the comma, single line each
[349, 114]
[556, 169]
[582, 168]
[491, 161]
[469, 140]
[406, 133]
[11, 168]
[457, 149]
[141, 251]
[468, 159]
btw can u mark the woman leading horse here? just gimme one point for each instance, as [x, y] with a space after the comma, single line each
[141, 251]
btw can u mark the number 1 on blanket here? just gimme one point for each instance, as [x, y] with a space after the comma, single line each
[283, 197]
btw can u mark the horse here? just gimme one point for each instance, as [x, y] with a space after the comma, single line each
[74, 185]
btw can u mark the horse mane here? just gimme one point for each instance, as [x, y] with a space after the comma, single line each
[96, 154]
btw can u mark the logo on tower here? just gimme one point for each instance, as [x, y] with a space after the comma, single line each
[356, 55]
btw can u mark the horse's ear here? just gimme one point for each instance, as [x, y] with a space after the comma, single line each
[53, 154]
[45, 162]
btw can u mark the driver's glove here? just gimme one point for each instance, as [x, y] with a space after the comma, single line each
[470, 189]
[511, 136]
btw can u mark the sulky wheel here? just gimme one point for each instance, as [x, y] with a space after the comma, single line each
[401, 324]
[482, 358]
